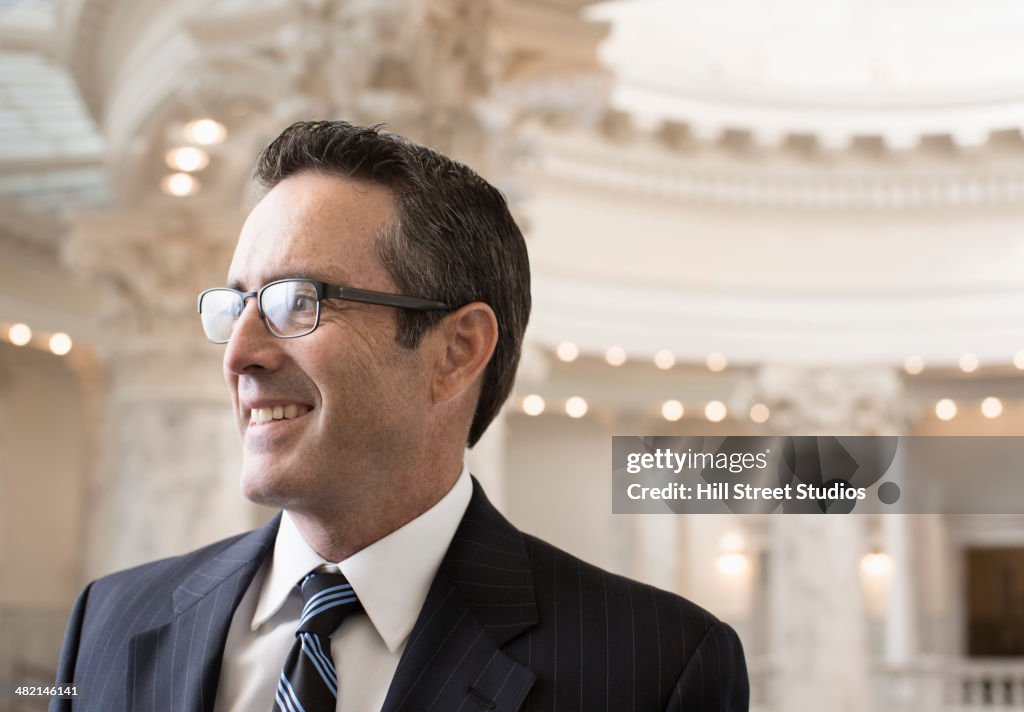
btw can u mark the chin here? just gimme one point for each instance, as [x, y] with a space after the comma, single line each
[270, 487]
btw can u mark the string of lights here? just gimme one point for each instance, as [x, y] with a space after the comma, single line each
[20, 334]
[672, 410]
[716, 411]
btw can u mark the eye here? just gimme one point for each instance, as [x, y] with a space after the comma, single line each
[302, 302]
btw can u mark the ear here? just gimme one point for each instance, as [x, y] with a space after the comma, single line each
[470, 334]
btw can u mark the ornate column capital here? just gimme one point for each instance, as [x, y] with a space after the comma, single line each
[807, 400]
[151, 266]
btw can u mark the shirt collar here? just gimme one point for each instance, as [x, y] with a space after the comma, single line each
[391, 576]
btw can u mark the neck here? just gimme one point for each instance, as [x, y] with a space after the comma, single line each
[337, 529]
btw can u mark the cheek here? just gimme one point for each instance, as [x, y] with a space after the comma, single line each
[365, 354]
[372, 390]
[362, 373]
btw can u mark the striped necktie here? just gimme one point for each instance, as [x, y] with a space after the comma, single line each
[309, 680]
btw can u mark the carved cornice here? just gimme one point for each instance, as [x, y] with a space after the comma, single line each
[768, 323]
[668, 162]
[445, 52]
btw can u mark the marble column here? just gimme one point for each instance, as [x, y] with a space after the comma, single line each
[818, 626]
[658, 542]
[168, 455]
[900, 635]
[900, 643]
[486, 460]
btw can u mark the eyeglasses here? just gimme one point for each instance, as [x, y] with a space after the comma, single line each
[291, 307]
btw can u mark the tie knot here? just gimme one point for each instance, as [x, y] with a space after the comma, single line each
[328, 599]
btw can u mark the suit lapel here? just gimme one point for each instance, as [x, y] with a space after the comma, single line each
[176, 666]
[481, 598]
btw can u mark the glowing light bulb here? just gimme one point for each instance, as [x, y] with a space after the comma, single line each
[913, 365]
[968, 363]
[567, 351]
[731, 563]
[716, 362]
[991, 407]
[19, 334]
[876, 564]
[576, 407]
[187, 158]
[715, 411]
[205, 132]
[945, 409]
[672, 410]
[60, 343]
[533, 404]
[664, 359]
[179, 185]
[615, 356]
[759, 413]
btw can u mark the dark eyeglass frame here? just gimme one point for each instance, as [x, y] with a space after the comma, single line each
[325, 291]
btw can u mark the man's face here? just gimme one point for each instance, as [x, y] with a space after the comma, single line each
[357, 396]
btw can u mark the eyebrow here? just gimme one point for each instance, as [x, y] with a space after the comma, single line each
[293, 274]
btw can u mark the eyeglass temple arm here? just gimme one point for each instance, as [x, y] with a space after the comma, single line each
[367, 296]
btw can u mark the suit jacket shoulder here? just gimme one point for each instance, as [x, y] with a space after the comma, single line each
[141, 583]
[122, 618]
[619, 644]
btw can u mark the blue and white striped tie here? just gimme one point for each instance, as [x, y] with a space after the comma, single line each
[309, 680]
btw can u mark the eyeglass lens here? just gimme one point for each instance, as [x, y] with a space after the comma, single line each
[219, 310]
[289, 307]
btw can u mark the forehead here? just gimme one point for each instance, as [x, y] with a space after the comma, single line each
[314, 225]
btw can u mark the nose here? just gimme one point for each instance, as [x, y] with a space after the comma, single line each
[252, 348]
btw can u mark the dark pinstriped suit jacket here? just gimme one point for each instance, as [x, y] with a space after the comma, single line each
[510, 623]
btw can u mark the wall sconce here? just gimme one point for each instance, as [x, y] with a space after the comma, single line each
[875, 564]
[732, 561]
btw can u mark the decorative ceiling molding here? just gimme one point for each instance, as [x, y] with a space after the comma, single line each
[765, 326]
[454, 74]
[668, 162]
[831, 69]
[769, 117]
[86, 23]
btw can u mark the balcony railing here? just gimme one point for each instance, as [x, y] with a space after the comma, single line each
[935, 685]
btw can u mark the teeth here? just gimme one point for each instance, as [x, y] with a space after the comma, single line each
[277, 412]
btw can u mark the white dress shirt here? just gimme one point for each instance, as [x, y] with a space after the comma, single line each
[391, 577]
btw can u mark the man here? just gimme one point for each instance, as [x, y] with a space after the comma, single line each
[373, 323]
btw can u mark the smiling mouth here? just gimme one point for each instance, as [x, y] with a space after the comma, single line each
[259, 416]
